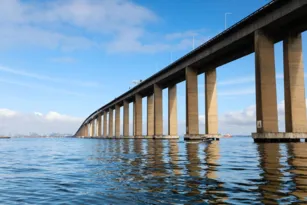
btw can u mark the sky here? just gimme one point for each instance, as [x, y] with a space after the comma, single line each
[62, 60]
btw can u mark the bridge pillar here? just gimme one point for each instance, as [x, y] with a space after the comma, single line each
[172, 112]
[192, 127]
[137, 116]
[126, 119]
[99, 125]
[84, 131]
[266, 100]
[150, 115]
[294, 85]
[211, 102]
[81, 132]
[96, 126]
[105, 124]
[133, 118]
[88, 129]
[158, 112]
[117, 121]
[93, 128]
[110, 123]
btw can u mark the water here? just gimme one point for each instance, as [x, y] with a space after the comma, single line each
[88, 171]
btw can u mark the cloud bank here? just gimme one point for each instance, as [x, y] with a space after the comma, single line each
[113, 25]
[13, 122]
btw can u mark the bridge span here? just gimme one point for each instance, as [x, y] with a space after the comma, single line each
[279, 20]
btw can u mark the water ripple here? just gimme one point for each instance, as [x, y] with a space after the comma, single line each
[81, 171]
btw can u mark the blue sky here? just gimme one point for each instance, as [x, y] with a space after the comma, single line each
[71, 57]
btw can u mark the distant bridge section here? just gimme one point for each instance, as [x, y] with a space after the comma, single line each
[279, 20]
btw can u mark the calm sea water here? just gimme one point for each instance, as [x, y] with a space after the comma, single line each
[89, 171]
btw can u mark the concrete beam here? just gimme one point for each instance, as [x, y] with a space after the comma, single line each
[191, 102]
[266, 100]
[211, 102]
[172, 111]
[294, 85]
[138, 115]
[126, 119]
[111, 123]
[117, 121]
[158, 111]
[150, 115]
[105, 124]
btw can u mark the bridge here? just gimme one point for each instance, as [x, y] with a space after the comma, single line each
[279, 20]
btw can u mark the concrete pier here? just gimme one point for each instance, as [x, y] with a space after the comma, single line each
[266, 99]
[172, 111]
[211, 102]
[158, 111]
[192, 130]
[89, 129]
[93, 128]
[111, 135]
[150, 115]
[279, 137]
[99, 119]
[105, 124]
[138, 116]
[126, 119]
[117, 121]
[294, 85]
[294, 88]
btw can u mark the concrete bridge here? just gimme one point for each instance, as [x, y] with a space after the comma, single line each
[280, 20]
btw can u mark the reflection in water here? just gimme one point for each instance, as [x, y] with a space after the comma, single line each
[214, 190]
[136, 163]
[125, 146]
[271, 188]
[193, 168]
[206, 189]
[283, 180]
[81, 171]
[174, 156]
[155, 166]
[298, 168]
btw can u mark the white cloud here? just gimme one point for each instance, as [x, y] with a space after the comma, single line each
[7, 113]
[38, 114]
[13, 122]
[47, 78]
[54, 116]
[246, 116]
[244, 121]
[41, 87]
[52, 24]
[113, 25]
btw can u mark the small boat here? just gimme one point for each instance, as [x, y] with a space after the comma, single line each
[227, 136]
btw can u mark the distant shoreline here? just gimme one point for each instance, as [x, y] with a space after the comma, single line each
[4, 137]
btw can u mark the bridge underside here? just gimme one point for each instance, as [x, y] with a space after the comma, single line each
[281, 20]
